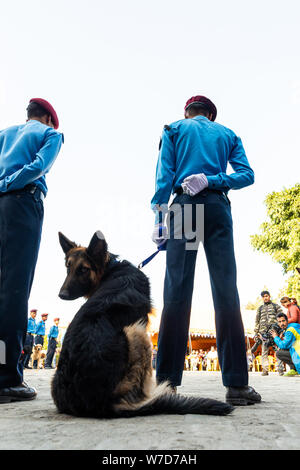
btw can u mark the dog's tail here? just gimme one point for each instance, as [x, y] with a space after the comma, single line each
[163, 401]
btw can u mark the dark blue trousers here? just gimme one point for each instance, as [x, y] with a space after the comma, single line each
[52, 343]
[21, 218]
[178, 291]
[28, 345]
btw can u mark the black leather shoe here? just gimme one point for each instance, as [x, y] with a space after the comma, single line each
[18, 393]
[242, 396]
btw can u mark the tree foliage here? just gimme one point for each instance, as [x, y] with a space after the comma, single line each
[280, 234]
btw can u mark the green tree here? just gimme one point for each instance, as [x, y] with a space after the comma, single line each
[280, 234]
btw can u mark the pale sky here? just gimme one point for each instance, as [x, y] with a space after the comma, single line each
[116, 73]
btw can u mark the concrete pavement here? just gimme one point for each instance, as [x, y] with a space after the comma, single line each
[272, 424]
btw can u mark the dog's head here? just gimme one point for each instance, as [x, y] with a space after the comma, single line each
[38, 347]
[85, 266]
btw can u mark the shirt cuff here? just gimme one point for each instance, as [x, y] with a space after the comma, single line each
[212, 182]
[160, 212]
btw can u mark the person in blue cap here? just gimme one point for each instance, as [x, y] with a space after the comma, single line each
[27, 153]
[52, 343]
[192, 163]
[29, 341]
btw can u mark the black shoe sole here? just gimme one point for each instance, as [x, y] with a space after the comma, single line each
[240, 401]
[11, 399]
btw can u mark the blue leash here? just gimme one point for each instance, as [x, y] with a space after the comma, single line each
[161, 247]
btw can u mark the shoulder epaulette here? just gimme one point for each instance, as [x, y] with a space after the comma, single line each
[166, 128]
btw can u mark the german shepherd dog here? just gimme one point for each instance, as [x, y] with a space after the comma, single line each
[105, 368]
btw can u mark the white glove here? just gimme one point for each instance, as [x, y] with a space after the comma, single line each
[194, 184]
[160, 233]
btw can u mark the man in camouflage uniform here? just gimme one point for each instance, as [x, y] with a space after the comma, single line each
[265, 317]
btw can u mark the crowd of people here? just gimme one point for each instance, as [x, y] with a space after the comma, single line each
[196, 359]
[275, 354]
[202, 360]
[279, 331]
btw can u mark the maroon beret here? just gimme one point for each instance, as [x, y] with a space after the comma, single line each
[57, 318]
[44, 315]
[203, 100]
[49, 108]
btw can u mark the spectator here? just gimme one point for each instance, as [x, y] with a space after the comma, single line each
[288, 344]
[201, 358]
[194, 360]
[265, 317]
[212, 359]
[154, 356]
[293, 311]
[294, 301]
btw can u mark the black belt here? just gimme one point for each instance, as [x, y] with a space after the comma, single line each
[30, 188]
[33, 189]
[179, 191]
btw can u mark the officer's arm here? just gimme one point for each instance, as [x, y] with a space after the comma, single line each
[41, 164]
[165, 171]
[243, 174]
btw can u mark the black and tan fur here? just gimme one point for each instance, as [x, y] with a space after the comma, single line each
[105, 366]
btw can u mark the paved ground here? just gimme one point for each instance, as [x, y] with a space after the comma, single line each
[272, 424]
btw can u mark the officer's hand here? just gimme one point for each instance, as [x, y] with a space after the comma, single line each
[194, 184]
[160, 234]
[273, 333]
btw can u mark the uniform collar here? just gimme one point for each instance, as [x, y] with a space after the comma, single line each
[201, 117]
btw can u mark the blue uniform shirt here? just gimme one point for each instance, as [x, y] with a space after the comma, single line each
[31, 326]
[27, 153]
[198, 145]
[53, 333]
[41, 328]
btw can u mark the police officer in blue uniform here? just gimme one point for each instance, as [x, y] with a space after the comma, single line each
[27, 152]
[31, 328]
[40, 330]
[52, 343]
[193, 158]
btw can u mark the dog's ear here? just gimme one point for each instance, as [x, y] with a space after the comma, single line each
[65, 243]
[97, 248]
